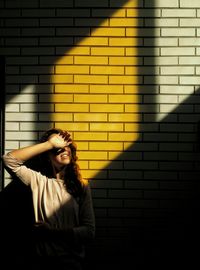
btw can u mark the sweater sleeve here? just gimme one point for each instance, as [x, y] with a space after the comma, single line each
[86, 230]
[17, 168]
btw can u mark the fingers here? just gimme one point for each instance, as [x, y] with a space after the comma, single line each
[66, 136]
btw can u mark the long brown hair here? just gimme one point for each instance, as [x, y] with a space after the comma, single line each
[72, 176]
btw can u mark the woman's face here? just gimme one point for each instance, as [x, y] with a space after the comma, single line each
[60, 157]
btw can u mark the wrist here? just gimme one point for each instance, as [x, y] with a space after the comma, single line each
[48, 145]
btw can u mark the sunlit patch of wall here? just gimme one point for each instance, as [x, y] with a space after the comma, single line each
[96, 88]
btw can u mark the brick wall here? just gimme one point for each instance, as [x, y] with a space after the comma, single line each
[123, 77]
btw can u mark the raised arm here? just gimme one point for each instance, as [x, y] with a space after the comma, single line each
[54, 141]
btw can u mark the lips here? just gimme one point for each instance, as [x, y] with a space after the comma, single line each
[65, 155]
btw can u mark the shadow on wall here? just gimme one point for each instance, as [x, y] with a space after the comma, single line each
[149, 216]
[158, 221]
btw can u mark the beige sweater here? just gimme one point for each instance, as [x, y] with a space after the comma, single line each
[54, 205]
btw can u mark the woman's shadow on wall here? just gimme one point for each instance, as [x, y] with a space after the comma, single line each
[169, 234]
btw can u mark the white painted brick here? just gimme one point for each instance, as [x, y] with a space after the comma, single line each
[12, 126]
[189, 42]
[23, 98]
[12, 107]
[178, 51]
[177, 70]
[21, 116]
[176, 89]
[31, 107]
[20, 135]
[27, 143]
[178, 13]
[178, 32]
[194, 22]
[162, 3]
[195, 60]
[170, 99]
[190, 4]
[198, 70]
[10, 145]
[189, 100]
[27, 126]
[166, 108]
[190, 80]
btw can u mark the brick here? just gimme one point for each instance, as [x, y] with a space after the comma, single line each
[106, 146]
[169, 89]
[179, 12]
[91, 22]
[107, 51]
[71, 107]
[73, 126]
[95, 60]
[123, 98]
[71, 88]
[106, 127]
[90, 136]
[125, 79]
[125, 61]
[189, 41]
[125, 117]
[125, 22]
[106, 89]
[13, 116]
[178, 32]
[162, 4]
[192, 4]
[11, 126]
[35, 107]
[76, 50]
[108, 32]
[106, 108]
[92, 41]
[56, 98]
[90, 98]
[177, 70]
[90, 117]
[96, 79]
[56, 117]
[12, 107]
[123, 136]
[37, 126]
[13, 135]
[58, 78]
[107, 70]
[106, 12]
[162, 22]
[92, 155]
[74, 69]
[98, 165]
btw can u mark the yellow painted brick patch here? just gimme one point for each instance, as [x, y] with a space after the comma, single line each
[96, 85]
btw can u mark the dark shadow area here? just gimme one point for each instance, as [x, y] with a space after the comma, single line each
[158, 225]
[16, 215]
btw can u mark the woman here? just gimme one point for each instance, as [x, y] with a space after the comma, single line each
[62, 202]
